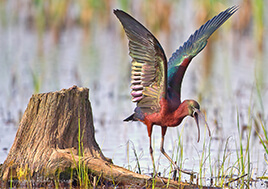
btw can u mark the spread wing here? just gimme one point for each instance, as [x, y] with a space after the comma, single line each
[149, 65]
[180, 59]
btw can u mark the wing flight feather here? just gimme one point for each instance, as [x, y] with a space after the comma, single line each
[149, 64]
[180, 59]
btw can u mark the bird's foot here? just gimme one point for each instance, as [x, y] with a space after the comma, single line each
[192, 174]
[155, 174]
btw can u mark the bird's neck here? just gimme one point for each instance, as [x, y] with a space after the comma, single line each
[182, 111]
[173, 117]
[173, 99]
[169, 116]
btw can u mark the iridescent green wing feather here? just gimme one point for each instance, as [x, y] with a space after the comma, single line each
[180, 59]
[149, 64]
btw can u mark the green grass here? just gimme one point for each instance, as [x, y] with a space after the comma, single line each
[137, 167]
[82, 169]
[221, 172]
[263, 139]
[224, 171]
[49, 16]
[179, 156]
[240, 155]
[259, 120]
[137, 159]
[232, 168]
[202, 162]
[11, 179]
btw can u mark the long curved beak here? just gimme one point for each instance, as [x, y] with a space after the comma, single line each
[197, 124]
[197, 113]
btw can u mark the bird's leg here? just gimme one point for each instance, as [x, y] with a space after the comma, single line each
[150, 129]
[164, 129]
[152, 157]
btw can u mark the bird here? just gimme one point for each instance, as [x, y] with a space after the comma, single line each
[156, 82]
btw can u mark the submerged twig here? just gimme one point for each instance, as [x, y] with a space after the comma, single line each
[227, 183]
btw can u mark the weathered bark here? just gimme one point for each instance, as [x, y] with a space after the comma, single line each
[49, 129]
[47, 141]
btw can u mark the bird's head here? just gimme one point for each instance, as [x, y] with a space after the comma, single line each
[194, 111]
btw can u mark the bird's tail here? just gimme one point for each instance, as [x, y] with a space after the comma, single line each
[130, 118]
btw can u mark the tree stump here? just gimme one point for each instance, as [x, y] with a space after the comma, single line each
[48, 132]
[56, 133]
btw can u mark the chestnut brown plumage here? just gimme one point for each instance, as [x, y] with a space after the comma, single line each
[156, 82]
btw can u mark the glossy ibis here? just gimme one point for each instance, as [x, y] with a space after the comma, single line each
[156, 82]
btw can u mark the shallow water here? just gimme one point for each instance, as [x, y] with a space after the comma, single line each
[101, 63]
